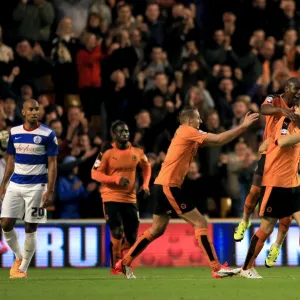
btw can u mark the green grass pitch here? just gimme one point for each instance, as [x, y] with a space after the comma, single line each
[154, 284]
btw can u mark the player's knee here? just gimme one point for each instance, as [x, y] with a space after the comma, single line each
[158, 230]
[117, 233]
[30, 227]
[7, 225]
[200, 223]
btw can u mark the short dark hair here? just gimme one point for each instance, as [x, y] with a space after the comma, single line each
[187, 112]
[297, 102]
[54, 121]
[116, 124]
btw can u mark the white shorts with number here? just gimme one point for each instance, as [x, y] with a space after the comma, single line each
[24, 203]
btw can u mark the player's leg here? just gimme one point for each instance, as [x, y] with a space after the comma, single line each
[198, 221]
[256, 244]
[284, 225]
[249, 206]
[34, 215]
[12, 209]
[131, 225]
[112, 213]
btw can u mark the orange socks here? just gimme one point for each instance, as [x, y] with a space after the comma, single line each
[251, 200]
[284, 224]
[115, 250]
[256, 244]
[139, 246]
[207, 247]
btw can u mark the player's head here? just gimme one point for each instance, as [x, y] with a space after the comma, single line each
[190, 116]
[31, 111]
[120, 132]
[292, 90]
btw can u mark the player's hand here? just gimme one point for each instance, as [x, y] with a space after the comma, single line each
[124, 181]
[2, 192]
[250, 119]
[47, 199]
[144, 192]
[289, 113]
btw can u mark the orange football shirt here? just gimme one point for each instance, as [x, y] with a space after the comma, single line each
[181, 152]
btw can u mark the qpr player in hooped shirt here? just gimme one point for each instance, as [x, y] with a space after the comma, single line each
[28, 183]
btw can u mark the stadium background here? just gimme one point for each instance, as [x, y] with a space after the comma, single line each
[91, 62]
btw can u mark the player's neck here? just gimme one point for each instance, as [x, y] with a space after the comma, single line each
[122, 146]
[283, 96]
[29, 127]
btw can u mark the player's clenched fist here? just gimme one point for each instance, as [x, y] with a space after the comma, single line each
[124, 181]
[250, 119]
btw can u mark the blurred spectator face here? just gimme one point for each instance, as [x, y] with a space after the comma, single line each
[177, 10]
[57, 128]
[219, 37]
[65, 27]
[213, 121]
[94, 20]
[158, 101]
[288, 6]
[278, 65]
[257, 39]
[226, 71]
[267, 50]
[240, 149]
[240, 109]
[43, 100]
[193, 66]
[24, 49]
[290, 37]
[226, 85]
[259, 35]
[152, 13]
[191, 45]
[84, 141]
[143, 119]
[161, 80]
[261, 4]
[124, 14]
[193, 169]
[51, 116]
[229, 17]
[74, 114]
[157, 54]
[90, 41]
[195, 95]
[26, 92]
[135, 37]
[9, 106]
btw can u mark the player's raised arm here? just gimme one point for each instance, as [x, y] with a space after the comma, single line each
[229, 135]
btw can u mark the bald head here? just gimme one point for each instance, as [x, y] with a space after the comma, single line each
[30, 102]
[292, 91]
[30, 112]
[293, 81]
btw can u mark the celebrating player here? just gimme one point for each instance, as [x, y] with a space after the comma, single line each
[280, 178]
[116, 170]
[274, 107]
[31, 170]
[183, 148]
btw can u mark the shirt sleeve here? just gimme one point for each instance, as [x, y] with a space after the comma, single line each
[52, 145]
[195, 135]
[10, 146]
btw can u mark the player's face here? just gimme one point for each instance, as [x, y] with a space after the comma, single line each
[122, 134]
[294, 93]
[31, 112]
[196, 120]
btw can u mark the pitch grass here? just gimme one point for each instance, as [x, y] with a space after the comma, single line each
[154, 284]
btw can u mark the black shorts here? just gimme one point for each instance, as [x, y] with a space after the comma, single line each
[172, 202]
[279, 202]
[124, 215]
[259, 170]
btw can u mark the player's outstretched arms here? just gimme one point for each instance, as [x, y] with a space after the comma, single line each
[229, 135]
[270, 110]
[288, 140]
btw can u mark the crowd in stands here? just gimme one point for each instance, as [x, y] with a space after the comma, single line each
[91, 62]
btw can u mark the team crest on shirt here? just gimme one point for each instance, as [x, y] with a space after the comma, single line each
[269, 209]
[283, 131]
[269, 99]
[134, 157]
[37, 139]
